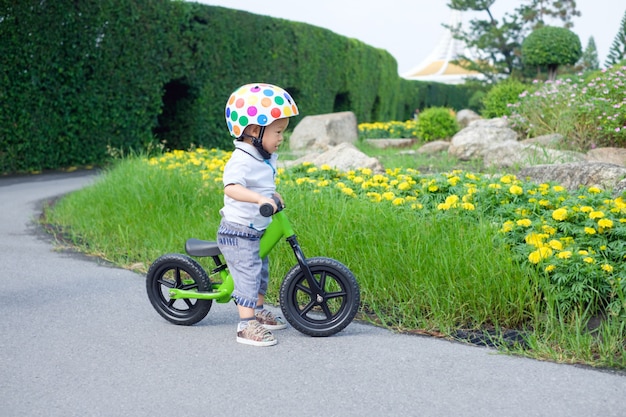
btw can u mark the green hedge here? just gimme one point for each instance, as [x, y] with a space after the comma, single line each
[81, 80]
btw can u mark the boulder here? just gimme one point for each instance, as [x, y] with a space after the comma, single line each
[577, 174]
[474, 141]
[545, 140]
[343, 157]
[615, 156]
[322, 131]
[512, 153]
[391, 143]
[465, 117]
[434, 147]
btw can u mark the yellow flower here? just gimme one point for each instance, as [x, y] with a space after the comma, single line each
[325, 167]
[524, 222]
[507, 226]
[590, 230]
[417, 206]
[550, 268]
[605, 223]
[452, 200]
[348, 191]
[559, 214]
[375, 197]
[586, 209]
[596, 215]
[607, 268]
[443, 206]
[558, 188]
[398, 201]
[566, 254]
[432, 188]
[589, 260]
[594, 190]
[534, 239]
[548, 229]
[468, 206]
[494, 186]
[555, 244]
[388, 196]
[541, 253]
[583, 252]
[516, 190]
[507, 179]
[403, 186]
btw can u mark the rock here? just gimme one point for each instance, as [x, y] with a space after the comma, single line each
[434, 147]
[465, 117]
[512, 153]
[343, 157]
[390, 143]
[615, 156]
[620, 188]
[322, 131]
[577, 174]
[545, 140]
[474, 141]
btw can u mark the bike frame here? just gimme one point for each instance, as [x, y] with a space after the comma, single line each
[279, 228]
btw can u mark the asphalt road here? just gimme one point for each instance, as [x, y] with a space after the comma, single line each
[80, 338]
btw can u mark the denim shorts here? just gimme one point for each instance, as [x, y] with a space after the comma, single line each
[240, 246]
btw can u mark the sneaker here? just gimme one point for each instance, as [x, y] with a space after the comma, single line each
[256, 335]
[269, 320]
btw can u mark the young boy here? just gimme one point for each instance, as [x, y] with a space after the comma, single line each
[256, 115]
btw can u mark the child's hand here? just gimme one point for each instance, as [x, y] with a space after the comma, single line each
[280, 198]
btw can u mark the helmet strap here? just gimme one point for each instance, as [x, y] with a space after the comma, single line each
[258, 144]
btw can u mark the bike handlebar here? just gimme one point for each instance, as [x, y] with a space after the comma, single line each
[267, 209]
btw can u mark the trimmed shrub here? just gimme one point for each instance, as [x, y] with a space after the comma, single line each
[498, 100]
[436, 123]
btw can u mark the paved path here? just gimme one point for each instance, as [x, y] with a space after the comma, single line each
[79, 338]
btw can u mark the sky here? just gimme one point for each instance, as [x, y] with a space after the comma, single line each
[410, 29]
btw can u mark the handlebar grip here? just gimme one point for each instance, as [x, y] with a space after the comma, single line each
[266, 210]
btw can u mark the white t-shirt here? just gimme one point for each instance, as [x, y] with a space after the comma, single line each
[247, 167]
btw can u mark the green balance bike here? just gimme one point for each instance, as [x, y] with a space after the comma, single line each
[318, 296]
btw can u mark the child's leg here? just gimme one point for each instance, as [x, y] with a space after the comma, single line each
[240, 247]
[263, 316]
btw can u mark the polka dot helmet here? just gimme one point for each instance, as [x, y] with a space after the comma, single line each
[258, 104]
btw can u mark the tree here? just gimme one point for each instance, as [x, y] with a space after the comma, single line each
[589, 59]
[498, 42]
[618, 48]
[551, 47]
[536, 12]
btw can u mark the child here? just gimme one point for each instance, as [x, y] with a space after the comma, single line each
[257, 115]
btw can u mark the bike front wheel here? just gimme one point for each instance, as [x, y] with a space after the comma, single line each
[325, 313]
[181, 272]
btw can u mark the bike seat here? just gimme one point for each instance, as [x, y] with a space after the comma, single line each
[197, 247]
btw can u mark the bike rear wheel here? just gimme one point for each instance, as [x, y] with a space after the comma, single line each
[321, 314]
[182, 272]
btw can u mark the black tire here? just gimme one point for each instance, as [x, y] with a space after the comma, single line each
[178, 271]
[325, 314]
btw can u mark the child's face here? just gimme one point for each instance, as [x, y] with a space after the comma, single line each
[273, 136]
